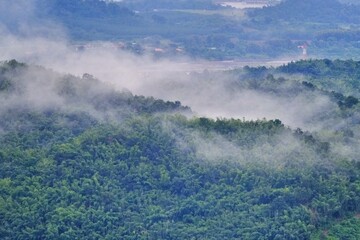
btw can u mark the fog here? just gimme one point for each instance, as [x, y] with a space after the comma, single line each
[221, 97]
[165, 79]
[168, 79]
[42, 42]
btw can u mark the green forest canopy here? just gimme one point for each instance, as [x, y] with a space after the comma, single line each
[149, 172]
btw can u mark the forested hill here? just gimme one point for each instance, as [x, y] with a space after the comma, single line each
[131, 20]
[88, 8]
[94, 19]
[20, 85]
[93, 163]
[342, 76]
[314, 11]
[146, 5]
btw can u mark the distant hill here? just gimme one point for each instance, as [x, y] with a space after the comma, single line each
[83, 19]
[149, 5]
[98, 20]
[88, 8]
[324, 11]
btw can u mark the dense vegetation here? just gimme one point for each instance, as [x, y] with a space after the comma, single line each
[81, 160]
[94, 163]
[338, 75]
[336, 80]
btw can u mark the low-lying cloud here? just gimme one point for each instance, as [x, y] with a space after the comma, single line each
[28, 39]
[165, 78]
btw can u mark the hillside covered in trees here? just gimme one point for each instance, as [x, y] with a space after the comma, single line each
[115, 123]
[85, 161]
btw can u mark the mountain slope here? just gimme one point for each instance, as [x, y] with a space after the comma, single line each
[96, 167]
